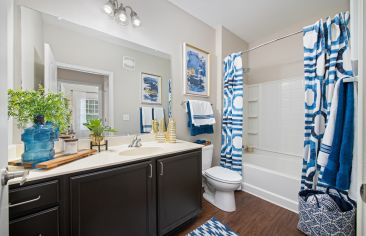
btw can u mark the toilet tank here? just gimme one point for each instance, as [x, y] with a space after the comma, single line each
[207, 154]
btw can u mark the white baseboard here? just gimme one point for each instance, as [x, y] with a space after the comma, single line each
[271, 197]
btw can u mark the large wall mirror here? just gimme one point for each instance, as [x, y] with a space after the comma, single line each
[102, 76]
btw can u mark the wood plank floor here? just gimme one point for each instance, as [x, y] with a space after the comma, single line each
[253, 216]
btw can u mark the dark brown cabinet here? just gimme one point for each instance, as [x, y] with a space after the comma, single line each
[116, 201]
[150, 197]
[178, 189]
[44, 223]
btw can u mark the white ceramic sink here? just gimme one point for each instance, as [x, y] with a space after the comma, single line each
[140, 151]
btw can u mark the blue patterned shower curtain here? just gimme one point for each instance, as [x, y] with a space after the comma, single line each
[232, 120]
[326, 60]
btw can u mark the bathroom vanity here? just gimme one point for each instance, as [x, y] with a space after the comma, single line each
[150, 190]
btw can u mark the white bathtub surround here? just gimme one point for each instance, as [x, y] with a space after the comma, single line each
[117, 154]
[273, 177]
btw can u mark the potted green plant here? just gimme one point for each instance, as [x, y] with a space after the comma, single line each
[42, 116]
[97, 129]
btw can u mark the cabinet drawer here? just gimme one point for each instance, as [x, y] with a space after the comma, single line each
[44, 223]
[32, 198]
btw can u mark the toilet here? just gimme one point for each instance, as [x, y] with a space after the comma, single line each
[219, 183]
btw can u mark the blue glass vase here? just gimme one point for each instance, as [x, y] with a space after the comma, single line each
[39, 141]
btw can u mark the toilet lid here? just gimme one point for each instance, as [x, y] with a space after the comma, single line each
[224, 175]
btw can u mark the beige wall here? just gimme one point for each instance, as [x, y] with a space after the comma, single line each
[164, 27]
[282, 59]
[31, 46]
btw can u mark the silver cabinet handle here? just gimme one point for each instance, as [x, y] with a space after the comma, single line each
[150, 176]
[7, 175]
[25, 202]
[161, 168]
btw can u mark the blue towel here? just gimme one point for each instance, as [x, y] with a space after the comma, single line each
[346, 153]
[332, 167]
[337, 172]
[196, 130]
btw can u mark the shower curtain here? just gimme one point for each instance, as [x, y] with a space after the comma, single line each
[232, 118]
[326, 60]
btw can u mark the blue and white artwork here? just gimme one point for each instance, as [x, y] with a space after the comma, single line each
[150, 88]
[196, 71]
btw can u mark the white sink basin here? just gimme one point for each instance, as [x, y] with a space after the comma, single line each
[140, 151]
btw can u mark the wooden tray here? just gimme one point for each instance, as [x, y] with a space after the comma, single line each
[59, 160]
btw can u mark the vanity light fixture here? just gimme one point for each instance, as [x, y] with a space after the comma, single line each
[119, 12]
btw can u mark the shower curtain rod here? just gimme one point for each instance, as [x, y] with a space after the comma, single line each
[272, 41]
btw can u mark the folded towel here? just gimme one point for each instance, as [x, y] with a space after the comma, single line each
[201, 113]
[196, 130]
[326, 145]
[146, 119]
[158, 113]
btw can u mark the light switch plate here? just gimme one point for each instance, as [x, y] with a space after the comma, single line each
[125, 117]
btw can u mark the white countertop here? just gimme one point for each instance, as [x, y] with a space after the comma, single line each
[109, 158]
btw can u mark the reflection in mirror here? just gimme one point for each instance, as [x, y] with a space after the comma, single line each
[101, 75]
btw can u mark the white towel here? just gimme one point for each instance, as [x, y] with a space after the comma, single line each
[201, 113]
[146, 119]
[158, 113]
[326, 145]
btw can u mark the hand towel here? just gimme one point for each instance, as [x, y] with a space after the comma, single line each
[146, 119]
[158, 113]
[196, 130]
[326, 145]
[201, 113]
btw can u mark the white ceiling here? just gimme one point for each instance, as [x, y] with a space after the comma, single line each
[253, 19]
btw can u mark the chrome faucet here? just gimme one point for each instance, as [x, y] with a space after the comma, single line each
[136, 142]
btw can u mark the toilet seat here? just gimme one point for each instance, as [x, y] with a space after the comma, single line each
[224, 175]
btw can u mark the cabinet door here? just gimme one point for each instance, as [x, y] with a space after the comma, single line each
[179, 190]
[44, 223]
[116, 201]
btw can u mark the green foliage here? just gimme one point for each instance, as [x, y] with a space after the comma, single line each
[97, 127]
[25, 105]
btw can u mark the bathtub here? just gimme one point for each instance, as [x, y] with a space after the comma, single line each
[273, 177]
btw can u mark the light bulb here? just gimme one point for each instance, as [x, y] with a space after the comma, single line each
[121, 15]
[108, 8]
[135, 19]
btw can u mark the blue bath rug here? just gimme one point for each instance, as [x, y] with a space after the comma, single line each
[212, 227]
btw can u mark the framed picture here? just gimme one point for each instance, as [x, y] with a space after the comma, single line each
[196, 71]
[150, 88]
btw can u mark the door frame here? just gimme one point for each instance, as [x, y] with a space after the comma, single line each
[89, 70]
[360, 6]
[6, 53]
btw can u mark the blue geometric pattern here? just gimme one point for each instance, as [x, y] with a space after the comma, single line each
[232, 120]
[212, 227]
[326, 60]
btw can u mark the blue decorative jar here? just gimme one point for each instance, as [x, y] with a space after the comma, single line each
[39, 141]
